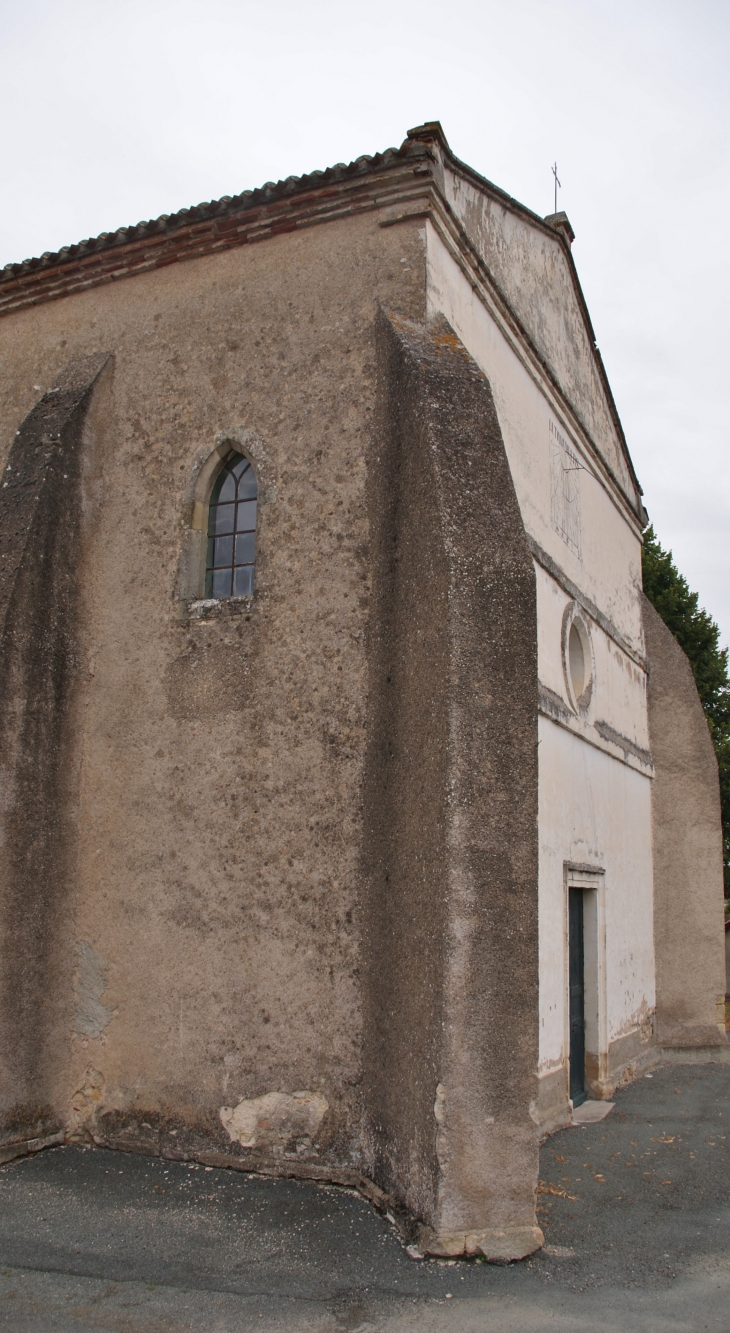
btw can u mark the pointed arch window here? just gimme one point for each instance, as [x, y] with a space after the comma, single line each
[232, 531]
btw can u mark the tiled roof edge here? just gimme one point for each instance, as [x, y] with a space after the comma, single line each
[167, 224]
[417, 145]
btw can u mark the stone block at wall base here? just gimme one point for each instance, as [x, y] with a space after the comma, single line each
[695, 1034]
[24, 1147]
[695, 1055]
[553, 1105]
[628, 1057]
[497, 1246]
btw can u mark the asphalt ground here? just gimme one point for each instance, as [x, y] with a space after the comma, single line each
[636, 1213]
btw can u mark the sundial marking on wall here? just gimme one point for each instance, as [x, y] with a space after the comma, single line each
[565, 470]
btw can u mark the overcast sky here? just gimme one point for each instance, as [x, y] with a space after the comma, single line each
[111, 113]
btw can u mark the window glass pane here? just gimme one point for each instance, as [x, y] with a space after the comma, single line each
[221, 518]
[248, 486]
[245, 548]
[243, 581]
[232, 528]
[228, 489]
[222, 583]
[246, 517]
[223, 553]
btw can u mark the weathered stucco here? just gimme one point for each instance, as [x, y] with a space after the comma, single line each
[40, 672]
[221, 881]
[688, 888]
[269, 883]
[451, 836]
[218, 809]
[595, 760]
[531, 267]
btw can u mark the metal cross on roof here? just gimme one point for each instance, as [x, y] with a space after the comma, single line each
[554, 170]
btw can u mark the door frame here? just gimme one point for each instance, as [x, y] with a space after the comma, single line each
[592, 880]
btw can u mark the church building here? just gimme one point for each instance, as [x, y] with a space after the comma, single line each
[359, 817]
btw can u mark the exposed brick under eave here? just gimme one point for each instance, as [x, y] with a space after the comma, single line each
[214, 235]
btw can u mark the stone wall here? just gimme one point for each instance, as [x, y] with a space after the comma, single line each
[451, 809]
[40, 671]
[204, 923]
[688, 890]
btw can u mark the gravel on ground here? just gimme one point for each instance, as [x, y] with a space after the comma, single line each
[635, 1210]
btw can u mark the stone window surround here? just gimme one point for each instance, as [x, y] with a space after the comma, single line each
[203, 475]
[573, 616]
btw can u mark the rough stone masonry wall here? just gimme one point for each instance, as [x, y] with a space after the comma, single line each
[223, 869]
[40, 671]
[687, 848]
[451, 947]
[214, 928]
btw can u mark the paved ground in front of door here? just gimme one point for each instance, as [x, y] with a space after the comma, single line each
[636, 1211]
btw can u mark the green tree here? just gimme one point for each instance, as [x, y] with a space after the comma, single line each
[698, 634]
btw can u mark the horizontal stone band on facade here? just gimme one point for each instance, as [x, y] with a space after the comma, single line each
[599, 734]
[614, 737]
[552, 568]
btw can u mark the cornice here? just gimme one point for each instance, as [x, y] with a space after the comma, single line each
[433, 133]
[462, 249]
[322, 196]
[403, 182]
[600, 735]
[572, 590]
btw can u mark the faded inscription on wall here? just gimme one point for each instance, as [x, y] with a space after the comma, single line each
[565, 472]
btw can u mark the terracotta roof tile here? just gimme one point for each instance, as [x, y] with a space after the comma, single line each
[168, 223]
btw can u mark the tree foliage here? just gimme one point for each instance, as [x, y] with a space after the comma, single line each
[698, 634]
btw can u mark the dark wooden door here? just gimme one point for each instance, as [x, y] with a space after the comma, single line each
[576, 988]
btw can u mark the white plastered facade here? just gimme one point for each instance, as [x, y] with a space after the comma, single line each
[595, 769]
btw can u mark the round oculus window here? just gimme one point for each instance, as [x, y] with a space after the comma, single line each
[577, 660]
